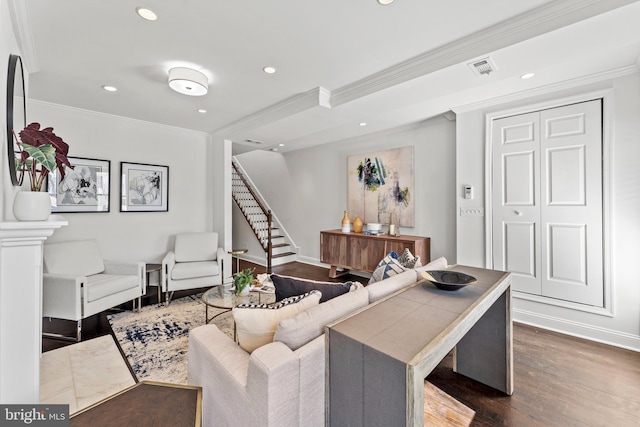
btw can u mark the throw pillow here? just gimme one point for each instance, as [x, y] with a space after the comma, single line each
[257, 323]
[287, 286]
[389, 266]
[408, 260]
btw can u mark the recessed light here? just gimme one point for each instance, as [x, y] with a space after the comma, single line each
[109, 88]
[273, 149]
[202, 111]
[363, 123]
[385, 2]
[269, 70]
[147, 14]
[280, 145]
[527, 76]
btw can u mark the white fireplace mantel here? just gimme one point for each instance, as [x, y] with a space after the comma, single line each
[21, 307]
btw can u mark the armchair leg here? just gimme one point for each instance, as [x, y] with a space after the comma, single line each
[139, 299]
[168, 297]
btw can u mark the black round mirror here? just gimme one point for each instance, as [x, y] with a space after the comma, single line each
[16, 112]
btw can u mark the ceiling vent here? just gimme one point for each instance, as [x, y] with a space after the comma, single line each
[254, 141]
[483, 67]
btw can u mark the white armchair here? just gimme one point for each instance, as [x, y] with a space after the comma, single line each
[78, 283]
[195, 262]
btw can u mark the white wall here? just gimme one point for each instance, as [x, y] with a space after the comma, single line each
[623, 328]
[8, 45]
[307, 189]
[140, 236]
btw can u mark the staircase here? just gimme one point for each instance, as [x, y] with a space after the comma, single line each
[277, 247]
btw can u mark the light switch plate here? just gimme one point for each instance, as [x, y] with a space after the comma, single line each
[471, 211]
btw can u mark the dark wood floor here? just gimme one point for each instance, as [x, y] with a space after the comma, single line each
[559, 380]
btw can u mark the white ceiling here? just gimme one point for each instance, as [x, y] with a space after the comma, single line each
[339, 63]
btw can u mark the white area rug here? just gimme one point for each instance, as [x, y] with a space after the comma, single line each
[156, 340]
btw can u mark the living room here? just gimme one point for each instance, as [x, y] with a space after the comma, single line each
[307, 187]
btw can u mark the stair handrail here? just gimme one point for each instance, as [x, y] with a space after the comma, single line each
[264, 209]
[267, 212]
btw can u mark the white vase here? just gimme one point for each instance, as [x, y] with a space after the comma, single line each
[32, 206]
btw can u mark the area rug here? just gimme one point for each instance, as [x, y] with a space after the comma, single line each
[155, 341]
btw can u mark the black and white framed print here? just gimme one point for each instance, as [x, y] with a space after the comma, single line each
[85, 188]
[144, 188]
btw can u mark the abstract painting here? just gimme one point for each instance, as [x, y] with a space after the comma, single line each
[381, 184]
[85, 188]
[144, 188]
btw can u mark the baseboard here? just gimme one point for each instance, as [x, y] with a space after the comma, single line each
[577, 329]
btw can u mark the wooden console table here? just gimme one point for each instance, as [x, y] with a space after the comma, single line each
[362, 252]
[377, 359]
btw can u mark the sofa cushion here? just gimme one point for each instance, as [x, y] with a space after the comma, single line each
[287, 286]
[304, 327]
[389, 266]
[77, 258]
[408, 260]
[381, 289]
[104, 285]
[257, 323]
[196, 247]
[191, 270]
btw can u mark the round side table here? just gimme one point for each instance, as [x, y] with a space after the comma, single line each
[236, 252]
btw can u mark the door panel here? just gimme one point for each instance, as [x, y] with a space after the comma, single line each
[566, 180]
[572, 212]
[519, 179]
[516, 212]
[567, 253]
[520, 248]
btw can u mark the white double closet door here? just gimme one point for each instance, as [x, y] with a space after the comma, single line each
[547, 202]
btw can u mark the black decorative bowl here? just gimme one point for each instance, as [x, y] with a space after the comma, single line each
[449, 280]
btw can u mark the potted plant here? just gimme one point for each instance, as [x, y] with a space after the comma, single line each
[41, 152]
[242, 281]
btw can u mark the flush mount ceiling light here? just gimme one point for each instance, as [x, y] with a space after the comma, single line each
[385, 2]
[188, 81]
[147, 14]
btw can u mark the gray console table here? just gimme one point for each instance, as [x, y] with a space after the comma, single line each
[377, 358]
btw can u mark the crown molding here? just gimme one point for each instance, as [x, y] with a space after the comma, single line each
[22, 30]
[98, 114]
[316, 97]
[541, 20]
[551, 88]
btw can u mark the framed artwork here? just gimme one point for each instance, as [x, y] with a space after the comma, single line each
[380, 184]
[85, 188]
[144, 188]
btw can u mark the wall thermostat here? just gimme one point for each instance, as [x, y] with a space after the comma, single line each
[468, 192]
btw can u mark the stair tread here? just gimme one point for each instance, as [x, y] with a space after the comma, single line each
[283, 254]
